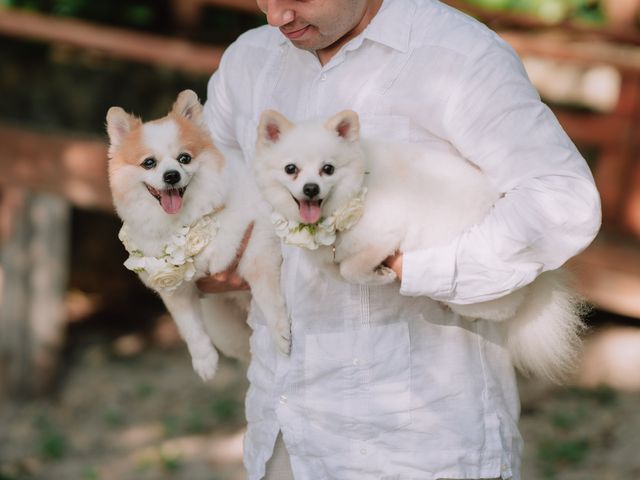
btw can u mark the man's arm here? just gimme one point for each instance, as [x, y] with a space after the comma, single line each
[549, 209]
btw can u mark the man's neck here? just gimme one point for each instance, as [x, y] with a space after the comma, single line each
[327, 53]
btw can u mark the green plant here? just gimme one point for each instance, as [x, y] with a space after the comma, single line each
[52, 443]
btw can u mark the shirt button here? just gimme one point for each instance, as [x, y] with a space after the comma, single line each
[323, 77]
[363, 451]
[283, 399]
[356, 361]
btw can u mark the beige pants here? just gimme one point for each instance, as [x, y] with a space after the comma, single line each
[279, 467]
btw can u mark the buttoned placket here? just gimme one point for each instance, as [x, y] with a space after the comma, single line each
[283, 391]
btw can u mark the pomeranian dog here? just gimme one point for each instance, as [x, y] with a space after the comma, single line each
[352, 203]
[185, 209]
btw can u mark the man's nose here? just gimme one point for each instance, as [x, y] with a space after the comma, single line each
[278, 12]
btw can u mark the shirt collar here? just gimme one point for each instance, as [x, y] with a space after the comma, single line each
[391, 26]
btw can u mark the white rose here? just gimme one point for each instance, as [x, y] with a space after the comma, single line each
[135, 263]
[154, 264]
[180, 238]
[302, 238]
[189, 270]
[177, 258]
[280, 223]
[347, 216]
[202, 223]
[173, 249]
[167, 279]
[123, 236]
[197, 239]
[325, 236]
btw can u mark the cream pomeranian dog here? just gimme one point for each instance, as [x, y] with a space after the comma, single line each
[185, 209]
[354, 202]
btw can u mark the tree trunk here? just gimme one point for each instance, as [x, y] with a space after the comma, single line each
[34, 272]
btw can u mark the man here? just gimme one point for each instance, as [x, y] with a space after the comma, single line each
[382, 382]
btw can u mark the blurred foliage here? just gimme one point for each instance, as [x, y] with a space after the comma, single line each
[60, 89]
[148, 14]
[52, 441]
[550, 11]
[216, 25]
[53, 87]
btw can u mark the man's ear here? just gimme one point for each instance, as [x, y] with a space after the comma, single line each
[271, 127]
[188, 106]
[346, 125]
[119, 125]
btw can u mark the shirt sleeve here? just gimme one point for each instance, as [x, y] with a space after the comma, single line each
[548, 210]
[218, 107]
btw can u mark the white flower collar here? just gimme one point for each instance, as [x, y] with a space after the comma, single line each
[175, 265]
[323, 232]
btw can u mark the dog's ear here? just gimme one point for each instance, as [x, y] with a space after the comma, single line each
[119, 124]
[346, 124]
[188, 106]
[271, 127]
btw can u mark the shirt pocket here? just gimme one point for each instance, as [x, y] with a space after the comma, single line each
[358, 383]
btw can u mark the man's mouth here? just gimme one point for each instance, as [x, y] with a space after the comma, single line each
[310, 211]
[295, 34]
[170, 199]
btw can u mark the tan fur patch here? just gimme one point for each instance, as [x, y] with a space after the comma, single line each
[195, 140]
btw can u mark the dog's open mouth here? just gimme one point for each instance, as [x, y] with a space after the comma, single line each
[170, 199]
[310, 211]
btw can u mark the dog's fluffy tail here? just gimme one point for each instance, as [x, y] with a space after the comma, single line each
[544, 337]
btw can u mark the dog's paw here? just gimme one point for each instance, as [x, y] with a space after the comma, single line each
[384, 275]
[281, 334]
[380, 275]
[206, 365]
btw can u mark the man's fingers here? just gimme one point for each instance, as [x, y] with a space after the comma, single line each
[228, 280]
[230, 283]
[222, 276]
[245, 239]
[241, 248]
[238, 282]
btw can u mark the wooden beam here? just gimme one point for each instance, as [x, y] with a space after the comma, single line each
[562, 46]
[117, 42]
[608, 274]
[71, 167]
[593, 128]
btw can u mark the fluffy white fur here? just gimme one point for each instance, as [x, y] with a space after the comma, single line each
[212, 184]
[410, 205]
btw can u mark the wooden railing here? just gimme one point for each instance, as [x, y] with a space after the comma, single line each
[75, 168]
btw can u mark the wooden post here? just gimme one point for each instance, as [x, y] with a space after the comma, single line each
[34, 271]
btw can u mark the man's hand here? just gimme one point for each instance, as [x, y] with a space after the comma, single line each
[227, 280]
[394, 262]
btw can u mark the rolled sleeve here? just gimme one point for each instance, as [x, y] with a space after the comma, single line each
[548, 210]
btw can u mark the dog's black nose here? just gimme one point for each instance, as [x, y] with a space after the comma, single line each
[311, 189]
[171, 177]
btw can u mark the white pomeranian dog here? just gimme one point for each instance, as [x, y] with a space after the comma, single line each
[351, 203]
[185, 210]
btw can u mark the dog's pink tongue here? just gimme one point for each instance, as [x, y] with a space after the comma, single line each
[171, 201]
[309, 211]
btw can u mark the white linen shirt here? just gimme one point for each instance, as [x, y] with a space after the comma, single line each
[385, 383]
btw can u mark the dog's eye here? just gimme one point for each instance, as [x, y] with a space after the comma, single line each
[184, 158]
[290, 169]
[148, 163]
[328, 169]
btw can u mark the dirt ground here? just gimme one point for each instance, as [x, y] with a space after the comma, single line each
[130, 407]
